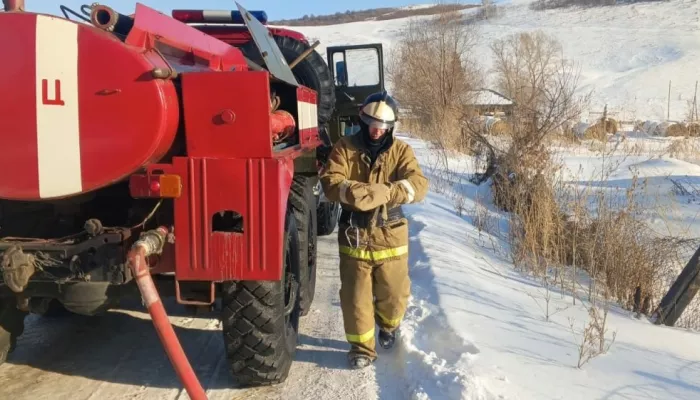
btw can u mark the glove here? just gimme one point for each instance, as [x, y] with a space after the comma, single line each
[356, 191]
[371, 196]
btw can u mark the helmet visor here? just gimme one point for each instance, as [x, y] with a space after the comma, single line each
[376, 124]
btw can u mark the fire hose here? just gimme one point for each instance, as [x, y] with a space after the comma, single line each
[150, 243]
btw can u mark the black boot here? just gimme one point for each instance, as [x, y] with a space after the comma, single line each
[359, 361]
[387, 339]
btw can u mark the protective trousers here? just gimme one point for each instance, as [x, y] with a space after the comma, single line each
[375, 287]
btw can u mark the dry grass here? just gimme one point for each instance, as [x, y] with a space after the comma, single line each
[694, 129]
[501, 128]
[677, 130]
[686, 149]
[595, 132]
[609, 125]
[596, 231]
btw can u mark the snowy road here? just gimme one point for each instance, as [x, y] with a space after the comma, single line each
[118, 356]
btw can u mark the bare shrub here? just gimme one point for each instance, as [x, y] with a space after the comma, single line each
[546, 298]
[686, 149]
[619, 252]
[434, 76]
[595, 230]
[530, 69]
[592, 341]
[599, 232]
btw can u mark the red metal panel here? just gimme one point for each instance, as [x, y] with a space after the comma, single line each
[231, 121]
[126, 121]
[307, 111]
[257, 189]
[183, 41]
[18, 106]
[83, 112]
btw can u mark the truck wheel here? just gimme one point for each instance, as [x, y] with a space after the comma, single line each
[303, 200]
[328, 214]
[311, 72]
[11, 327]
[261, 320]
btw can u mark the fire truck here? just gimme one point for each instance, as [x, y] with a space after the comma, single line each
[178, 155]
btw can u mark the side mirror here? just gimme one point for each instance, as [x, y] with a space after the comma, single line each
[341, 73]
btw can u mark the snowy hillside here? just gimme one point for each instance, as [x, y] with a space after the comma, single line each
[627, 53]
[497, 343]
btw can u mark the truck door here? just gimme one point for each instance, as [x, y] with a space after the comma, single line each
[357, 72]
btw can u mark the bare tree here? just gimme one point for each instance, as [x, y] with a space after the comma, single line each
[434, 75]
[530, 69]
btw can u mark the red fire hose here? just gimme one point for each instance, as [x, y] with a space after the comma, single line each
[152, 242]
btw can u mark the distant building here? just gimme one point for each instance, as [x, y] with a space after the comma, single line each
[490, 102]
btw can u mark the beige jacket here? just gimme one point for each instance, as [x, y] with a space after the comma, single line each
[395, 179]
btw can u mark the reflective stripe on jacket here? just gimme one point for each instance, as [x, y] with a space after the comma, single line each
[349, 162]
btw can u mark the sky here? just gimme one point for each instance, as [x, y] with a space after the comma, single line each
[276, 9]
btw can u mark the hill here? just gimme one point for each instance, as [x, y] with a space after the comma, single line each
[627, 54]
[375, 14]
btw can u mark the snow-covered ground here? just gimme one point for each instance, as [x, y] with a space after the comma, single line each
[461, 270]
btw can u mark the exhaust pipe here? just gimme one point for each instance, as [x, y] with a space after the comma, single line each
[13, 5]
[150, 243]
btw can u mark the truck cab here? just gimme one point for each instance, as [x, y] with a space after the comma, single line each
[357, 71]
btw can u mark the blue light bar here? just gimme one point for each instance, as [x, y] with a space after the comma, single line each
[258, 14]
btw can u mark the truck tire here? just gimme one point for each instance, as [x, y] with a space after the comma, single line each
[328, 214]
[260, 320]
[303, 200]
[311, 72]
[11, 327]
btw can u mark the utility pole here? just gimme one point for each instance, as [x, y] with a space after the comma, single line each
[668, 107]
[694, 112]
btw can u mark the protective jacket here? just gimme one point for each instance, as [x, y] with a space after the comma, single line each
[350, 178]
[371, 184]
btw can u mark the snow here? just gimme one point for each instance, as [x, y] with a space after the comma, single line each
[494, 315]
[627, 54]
[417, 6]
[490, 97]
[475, 327]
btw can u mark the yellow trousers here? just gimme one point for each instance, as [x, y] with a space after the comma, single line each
[372, 292]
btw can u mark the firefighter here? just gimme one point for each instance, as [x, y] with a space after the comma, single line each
[372, 174]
